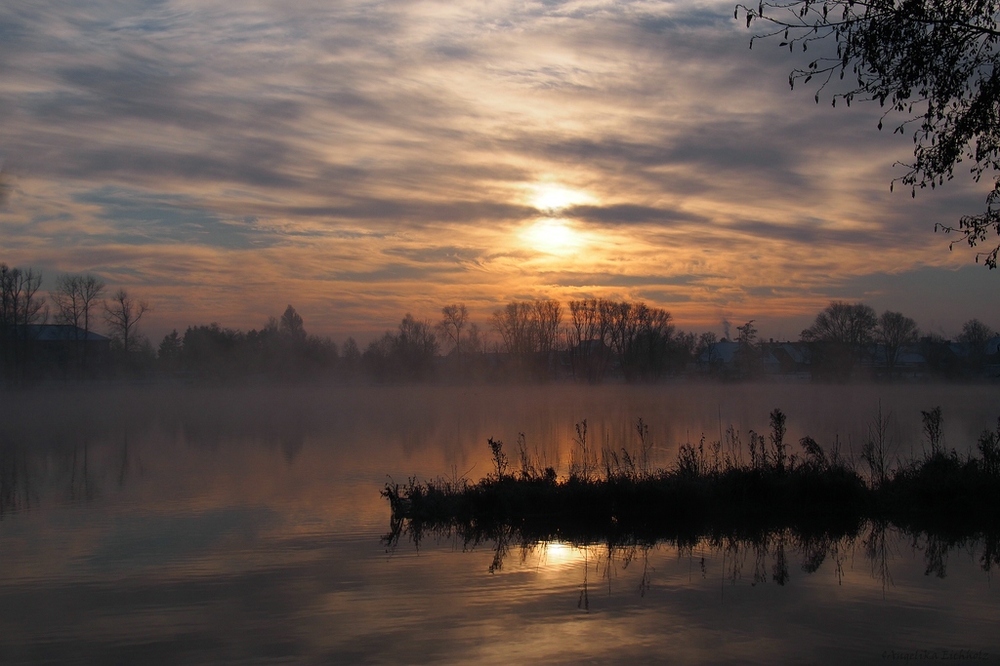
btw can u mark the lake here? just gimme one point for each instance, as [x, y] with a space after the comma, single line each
[245, 525]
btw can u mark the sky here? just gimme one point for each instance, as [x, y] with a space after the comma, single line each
[362, 160]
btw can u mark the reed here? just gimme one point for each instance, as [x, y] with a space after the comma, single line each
[710, 490]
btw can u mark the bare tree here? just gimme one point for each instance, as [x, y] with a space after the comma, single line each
[585, 322]
[841, 334]
[20, 308]
[408, 354]
[893, 331]
[19, 305]
[75, 298]
[623, 325]
[638, 334]
[590, 337]
[851, 324]
[123, 314]
[513, 323]
[546, 318]
[475, 342]
[453, 319]
[974, 336]
[706, 343]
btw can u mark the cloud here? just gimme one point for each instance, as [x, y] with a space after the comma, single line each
[369, 158]
[141, 221]
[629, 214]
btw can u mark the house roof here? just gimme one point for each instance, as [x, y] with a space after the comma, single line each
[720, 352]
[798, 352]
[61, 333]
[993, 346]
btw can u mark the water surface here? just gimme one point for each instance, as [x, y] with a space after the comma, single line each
[192, 525]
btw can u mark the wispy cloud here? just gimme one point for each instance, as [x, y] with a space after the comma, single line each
[362, 159]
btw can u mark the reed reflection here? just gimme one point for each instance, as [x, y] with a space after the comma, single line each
[771, 557]
[15, 478]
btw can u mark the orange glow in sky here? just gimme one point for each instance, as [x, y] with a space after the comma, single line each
[363, 160]
[552, 236]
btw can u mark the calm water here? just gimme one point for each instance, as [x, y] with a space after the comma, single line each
[213, 526]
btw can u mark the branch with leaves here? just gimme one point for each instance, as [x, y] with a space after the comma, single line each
[935, 62]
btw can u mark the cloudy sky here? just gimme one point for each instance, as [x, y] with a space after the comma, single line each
[361, 159]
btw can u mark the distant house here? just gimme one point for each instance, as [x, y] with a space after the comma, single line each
[992, 366]
[984, 361]
[54, 350]
[909, 361]
[718, 355]
[993, 346]
[791, 357]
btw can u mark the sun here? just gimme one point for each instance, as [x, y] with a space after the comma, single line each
[552, 233]
[552, 236]
[551, 198]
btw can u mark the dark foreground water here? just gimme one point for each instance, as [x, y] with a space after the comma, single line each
[212, 526]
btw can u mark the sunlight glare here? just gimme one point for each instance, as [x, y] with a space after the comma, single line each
[559, 554]
[549, 198]
[552, 236]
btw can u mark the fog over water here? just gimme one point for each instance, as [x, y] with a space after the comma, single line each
[208, 525]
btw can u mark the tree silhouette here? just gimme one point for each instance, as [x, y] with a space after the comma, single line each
[529, 332]
[20, 309]
[590, 337]
[516, 327]
[407, 354]
[974, 336]
[123, 314]
[644, 336]
[453, 319]
[840, 335]
[350, 357]
[213, 352]
[842, 322]
[893, 331]
[292, 325]
[937, 63]
[169, 352]
[415, 347]
[75, 298]
[748, 354]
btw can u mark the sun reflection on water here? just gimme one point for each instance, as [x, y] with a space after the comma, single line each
[556, 554]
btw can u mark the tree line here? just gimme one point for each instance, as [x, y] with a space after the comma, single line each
[845, 335]
[594, 340]
[76, 303]
[588, 340]
[281, 349]
[522, 340]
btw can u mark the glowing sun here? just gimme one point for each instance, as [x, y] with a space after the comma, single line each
[552, 236]
[550, 198]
